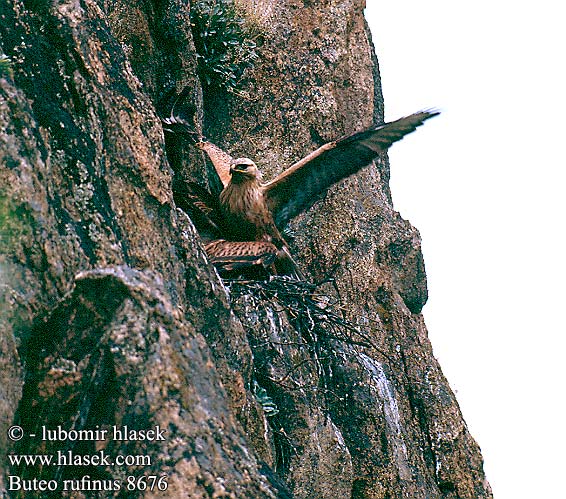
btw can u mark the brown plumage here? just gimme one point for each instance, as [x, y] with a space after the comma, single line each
[253, 211]
[234, 255]
[247, 216]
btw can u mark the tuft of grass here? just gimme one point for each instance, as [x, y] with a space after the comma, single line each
[225, 45]
[6, 66]
[269, 407]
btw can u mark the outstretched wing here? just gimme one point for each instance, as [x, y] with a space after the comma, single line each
[220, 159]
[298, 187]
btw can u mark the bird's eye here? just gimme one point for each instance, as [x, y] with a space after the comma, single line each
[242, 166]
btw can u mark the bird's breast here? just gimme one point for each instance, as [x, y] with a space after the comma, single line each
[245, 211]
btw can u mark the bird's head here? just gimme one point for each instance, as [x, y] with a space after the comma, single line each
[244, 169]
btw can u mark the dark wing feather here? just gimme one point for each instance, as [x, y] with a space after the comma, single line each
[219, 158]
[180, 126]
[182, 115]
[201, 206]
[298, 187]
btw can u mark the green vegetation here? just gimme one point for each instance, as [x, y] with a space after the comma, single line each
[225, 44]
[5, 66]
[15, 224]
[260, 394]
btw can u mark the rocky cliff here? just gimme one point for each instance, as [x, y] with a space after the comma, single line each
[111, 316]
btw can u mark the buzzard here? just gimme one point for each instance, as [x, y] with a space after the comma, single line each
[243, 223]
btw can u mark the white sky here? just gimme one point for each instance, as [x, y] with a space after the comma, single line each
[484, 183]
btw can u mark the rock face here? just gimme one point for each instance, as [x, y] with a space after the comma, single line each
[111, 316]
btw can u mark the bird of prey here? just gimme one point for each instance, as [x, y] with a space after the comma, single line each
[243, 223]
